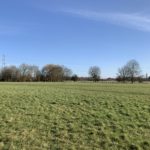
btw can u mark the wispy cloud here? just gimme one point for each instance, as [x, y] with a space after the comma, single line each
[132, 20]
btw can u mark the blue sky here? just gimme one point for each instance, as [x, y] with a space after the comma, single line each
[77, 34]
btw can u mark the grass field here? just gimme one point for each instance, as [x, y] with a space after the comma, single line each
[74, 116]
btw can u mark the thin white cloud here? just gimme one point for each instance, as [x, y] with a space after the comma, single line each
[133, 20]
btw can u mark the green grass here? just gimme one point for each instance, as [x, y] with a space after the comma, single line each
[74, 116]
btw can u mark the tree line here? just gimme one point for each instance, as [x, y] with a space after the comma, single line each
[131, 71]
[27, 72]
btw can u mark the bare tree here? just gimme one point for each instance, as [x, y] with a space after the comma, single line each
[10, 73]
[123, 73]
[67, 73]
[52, 72]
[29, 72]
[34, 73]
[94, 73]
[133, 69]
[24, 72]
[130, 71]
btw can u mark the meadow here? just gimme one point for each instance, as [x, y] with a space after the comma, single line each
[74, 116]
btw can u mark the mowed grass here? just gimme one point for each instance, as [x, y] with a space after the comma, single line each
[74, 116]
